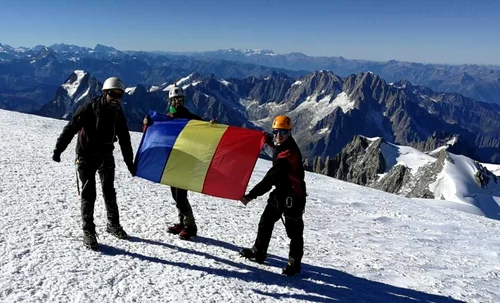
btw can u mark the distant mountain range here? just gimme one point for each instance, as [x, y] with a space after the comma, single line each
[29, 75]
[479, 82]
[327, 110]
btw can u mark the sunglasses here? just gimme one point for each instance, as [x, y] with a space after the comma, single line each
[115, 95]
[281, 131]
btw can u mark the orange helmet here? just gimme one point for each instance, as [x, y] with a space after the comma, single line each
[282, 122]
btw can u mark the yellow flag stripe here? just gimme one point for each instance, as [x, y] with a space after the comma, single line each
[192, 154]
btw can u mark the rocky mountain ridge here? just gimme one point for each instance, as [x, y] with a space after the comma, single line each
[28, 75]
[328, 110]
[402, 170]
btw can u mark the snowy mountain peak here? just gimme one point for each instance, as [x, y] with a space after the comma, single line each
[323, 72]
[130, 90]
[404, 170]
[453, 141]
[79, 87]
[225, 82]
[192, 79]
[73, 82]
[4, 48]
[45, 56]
[265, 52]
[45, 51]
[402, 84]
[249, 52]
[9, 50]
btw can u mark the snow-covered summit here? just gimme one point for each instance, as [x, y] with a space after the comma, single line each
[361, 244]
[192, 79]
[73, 82]
[79, 87]
[249, 52]
[457, 179]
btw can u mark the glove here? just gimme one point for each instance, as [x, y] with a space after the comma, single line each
[245, 199]
[56, 156]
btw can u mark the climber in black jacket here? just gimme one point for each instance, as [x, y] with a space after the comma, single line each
[288, 198]
[99, 123]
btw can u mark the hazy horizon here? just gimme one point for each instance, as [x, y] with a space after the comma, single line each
[461, 32]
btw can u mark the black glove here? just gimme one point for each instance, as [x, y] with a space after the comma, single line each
[246, 198]
[268, 139]
[56, 156]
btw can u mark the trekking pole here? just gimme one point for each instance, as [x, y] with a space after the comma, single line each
[283, 220]
[77, 180]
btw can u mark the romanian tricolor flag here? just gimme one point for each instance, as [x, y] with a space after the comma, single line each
[214, 159]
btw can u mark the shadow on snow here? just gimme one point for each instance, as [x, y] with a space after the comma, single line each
[319, 284]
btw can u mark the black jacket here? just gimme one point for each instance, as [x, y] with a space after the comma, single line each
[98, 127]
[286, 174]
[183, 112]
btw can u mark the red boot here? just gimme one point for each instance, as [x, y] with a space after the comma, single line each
[176, 229]
[188, 232]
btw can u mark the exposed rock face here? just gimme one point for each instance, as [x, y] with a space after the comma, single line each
[362, 162]
[328, 111]
[359, 162]
[77, 89]
[418, 186]
[394, 181]
[483, 176]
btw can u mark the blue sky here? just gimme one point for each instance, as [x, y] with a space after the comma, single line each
[435, 31]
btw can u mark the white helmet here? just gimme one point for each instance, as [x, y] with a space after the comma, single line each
[113, 83]
[176, 92]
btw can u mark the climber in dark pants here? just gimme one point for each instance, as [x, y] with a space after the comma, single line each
[99, 123]
[186, 228]
[288, 199]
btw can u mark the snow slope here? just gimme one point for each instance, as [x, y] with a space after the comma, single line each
[361, 245]
[456, 182]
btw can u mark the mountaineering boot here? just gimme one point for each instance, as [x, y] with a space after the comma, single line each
[252, 255]
[90, 240]
[116, 230]
[292, 268]
[176, 228]
[188, 232]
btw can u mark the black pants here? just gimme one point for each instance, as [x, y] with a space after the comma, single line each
[87, 168]
[182, 203]
[294, 226]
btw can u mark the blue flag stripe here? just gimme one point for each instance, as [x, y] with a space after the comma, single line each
[156, 147]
